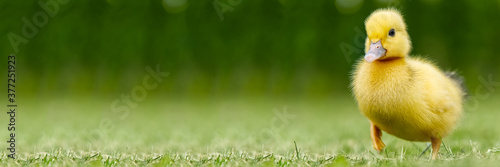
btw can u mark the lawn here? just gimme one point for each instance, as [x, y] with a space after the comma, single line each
[179, 131]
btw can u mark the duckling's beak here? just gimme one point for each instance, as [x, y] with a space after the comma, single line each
[375, 52]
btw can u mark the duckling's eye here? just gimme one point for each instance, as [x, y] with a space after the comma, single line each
[392, 32]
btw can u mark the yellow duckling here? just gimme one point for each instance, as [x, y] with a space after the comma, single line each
[407, 97]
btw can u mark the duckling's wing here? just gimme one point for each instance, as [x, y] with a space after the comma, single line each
[459, 80]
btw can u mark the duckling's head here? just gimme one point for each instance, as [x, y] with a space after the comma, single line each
[387, 37]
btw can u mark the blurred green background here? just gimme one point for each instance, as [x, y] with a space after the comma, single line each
[259, 47]
[229, 73]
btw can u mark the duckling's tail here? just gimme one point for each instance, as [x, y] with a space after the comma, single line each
[459, 80]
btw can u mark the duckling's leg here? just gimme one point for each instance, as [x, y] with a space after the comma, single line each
[427, 148]
[376, 133]
[436, 143]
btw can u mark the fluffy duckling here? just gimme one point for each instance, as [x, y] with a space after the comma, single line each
[407, 97]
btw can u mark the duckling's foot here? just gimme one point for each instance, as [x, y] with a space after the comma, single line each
[376, 133]
[436, 143]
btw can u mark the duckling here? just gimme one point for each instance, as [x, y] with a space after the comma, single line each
[404, 96]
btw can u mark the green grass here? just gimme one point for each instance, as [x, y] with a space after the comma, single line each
[233, 132]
